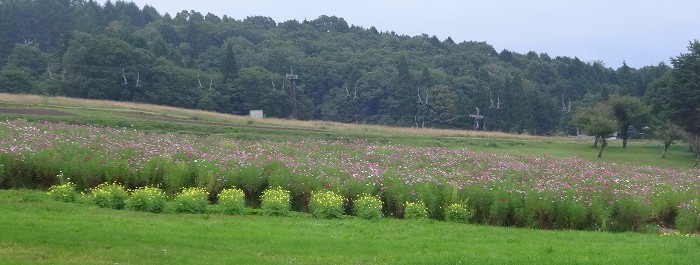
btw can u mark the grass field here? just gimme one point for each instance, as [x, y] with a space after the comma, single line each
[36, 230]
[169, 119]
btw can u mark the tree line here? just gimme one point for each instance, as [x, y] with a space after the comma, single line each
[347, 73]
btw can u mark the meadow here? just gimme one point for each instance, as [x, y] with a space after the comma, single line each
[508, 186]
[506, 190]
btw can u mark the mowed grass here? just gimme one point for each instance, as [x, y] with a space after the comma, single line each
[176, 120]
[36, 230]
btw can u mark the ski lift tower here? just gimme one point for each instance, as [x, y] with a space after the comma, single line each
[293, 94]
[476, 118]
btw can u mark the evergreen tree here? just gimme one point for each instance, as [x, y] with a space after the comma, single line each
[229, 66]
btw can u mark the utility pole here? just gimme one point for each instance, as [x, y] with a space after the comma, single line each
[293, 94]
[476, 118]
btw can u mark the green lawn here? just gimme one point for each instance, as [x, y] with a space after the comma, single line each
[36, 230]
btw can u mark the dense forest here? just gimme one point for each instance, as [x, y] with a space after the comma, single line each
[347, 73]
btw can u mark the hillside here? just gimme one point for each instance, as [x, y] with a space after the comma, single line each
[178, 120]
[118, 51]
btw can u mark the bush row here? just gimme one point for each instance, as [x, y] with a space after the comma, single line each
[492, 205]
[274, 201]
[627, 214]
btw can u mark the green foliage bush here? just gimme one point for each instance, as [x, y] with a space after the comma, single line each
[109, 195]
[326, 204]
[146, 199]
[232, 201]
[415, 210]
[688, 219]
[275, 202]
[628, 214]
[539, 210]
[571, 214]
[368, 207]
[64, 192]
[458, 212]
[507, 209]
[177, 175]
[664, 207]
[191, 200]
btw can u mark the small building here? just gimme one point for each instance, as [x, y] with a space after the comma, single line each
[257, 114]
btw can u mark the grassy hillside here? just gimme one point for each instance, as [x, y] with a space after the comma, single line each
[36, 230]
[170, 119]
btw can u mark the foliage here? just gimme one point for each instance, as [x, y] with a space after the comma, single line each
[598, 122]
[415, 210]
[688, 220]
[683, 92]
[190, 200]
[458, 212]
[668, 133]
[367, 207]
[628, 214]
[232, 201]
[628, 111]
[501, 189]
[146, 199]
[275, 201]
[109, 195]
[121, 52]
[64, 192]
[180, 239]
[326, 204]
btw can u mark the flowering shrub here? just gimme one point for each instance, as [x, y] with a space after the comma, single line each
[191, 200]
[457, 212]
[232, 201]
[63, 193]
[275, 202]
[326, 204]
[109, 195]
[415, 210]
[146, 199]
[368, 207]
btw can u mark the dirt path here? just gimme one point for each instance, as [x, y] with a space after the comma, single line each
[34, 111]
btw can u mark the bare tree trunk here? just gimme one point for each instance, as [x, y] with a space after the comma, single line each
[603, 144]
[595, 143]
[697, 158]
[624, 142]
[664, 153]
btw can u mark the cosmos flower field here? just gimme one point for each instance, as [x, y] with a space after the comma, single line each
[507, 190]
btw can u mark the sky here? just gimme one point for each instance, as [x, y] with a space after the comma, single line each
[638, 32]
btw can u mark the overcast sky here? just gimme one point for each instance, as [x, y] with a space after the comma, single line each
[640, 32]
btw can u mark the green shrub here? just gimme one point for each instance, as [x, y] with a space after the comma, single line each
[664, 207]
[191, 200]
[458, 212]
[275, 201]
[415, 210]
[688, 219]
[570, 214]
[628, 214]
[232, 201]
[146, 199]
[368, 207]
[109, 195]
[539, 209]
[64, 192]
[499, 212]
[326, 204]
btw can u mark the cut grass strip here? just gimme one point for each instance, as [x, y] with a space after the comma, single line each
[36, 230]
